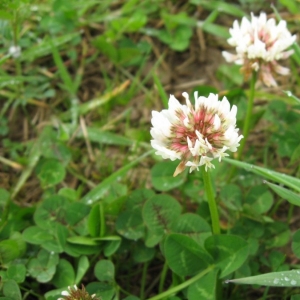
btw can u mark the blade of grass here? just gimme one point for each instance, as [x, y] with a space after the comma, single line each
[33, 159]
[10, 163]
[80, 69]
[271, 97]
[215, 29]
[153, 69]
[13, 80]
[291, 182]
[296, 55]
[95, 194]
[282, 279]
[89, 183]
[291, 95]
[161, 91]
[137, 84]
[4, 59]
[107, 138]
[63, 72]
[285, 193]
[45, 48]
[93, 104]
[221, 6]
[209, 26]
[123, 115]
[69, 84]
[104, 137]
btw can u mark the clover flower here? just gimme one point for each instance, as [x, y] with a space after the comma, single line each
[77, 294]
[14, 51]
[259, 44]
[195, 135]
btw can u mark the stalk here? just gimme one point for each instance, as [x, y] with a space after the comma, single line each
[143, 282]
[182, 285]
[246, 127]
[211, 201]
[163, 277]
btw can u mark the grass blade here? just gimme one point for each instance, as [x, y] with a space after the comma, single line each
[98, 192]
[284, 193]
[161, 91]
[291, 182]
[93, 104]
[34, 157]
[281, 279]
[63, 72]
[45, 48]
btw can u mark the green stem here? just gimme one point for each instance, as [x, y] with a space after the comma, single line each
[143, 282]
[102, 220]
[246, 127]
[123, 291]
[163, 277]
[211, 201]
[290, 212]
[182, 285]
[5, 214]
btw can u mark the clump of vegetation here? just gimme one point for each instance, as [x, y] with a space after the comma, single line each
[85, 201]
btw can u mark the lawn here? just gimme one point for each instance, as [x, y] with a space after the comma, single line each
[149, 149]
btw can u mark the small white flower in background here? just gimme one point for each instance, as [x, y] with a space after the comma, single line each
[14, 51]
[259, 44]
[195, 135]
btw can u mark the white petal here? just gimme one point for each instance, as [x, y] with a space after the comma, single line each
[192, 166]
[217, 122]
[207, 162]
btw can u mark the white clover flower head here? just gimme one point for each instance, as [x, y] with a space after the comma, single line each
[195, 135]
[259, 44]
[14, 51]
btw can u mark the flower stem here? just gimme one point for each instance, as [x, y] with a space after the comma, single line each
[211, 201]
[246, 127]
[163, 277]
[182, 285]
[143, 282]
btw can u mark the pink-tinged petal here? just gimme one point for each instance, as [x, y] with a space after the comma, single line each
[229, 57]
[267, 76]
[180, 168]
[281, 70]
[286, 54]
